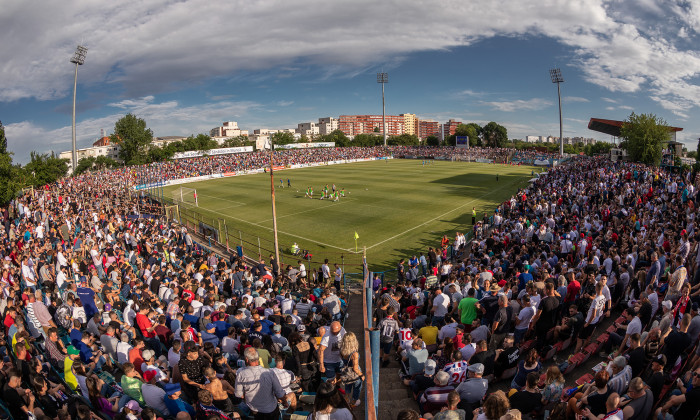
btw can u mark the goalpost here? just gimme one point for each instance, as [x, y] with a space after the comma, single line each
[185, 195]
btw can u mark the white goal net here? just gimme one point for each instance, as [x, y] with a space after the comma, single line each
[185, 195]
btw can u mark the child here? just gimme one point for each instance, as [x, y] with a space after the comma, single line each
[219, 391]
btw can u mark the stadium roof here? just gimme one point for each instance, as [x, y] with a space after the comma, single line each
[612, 127]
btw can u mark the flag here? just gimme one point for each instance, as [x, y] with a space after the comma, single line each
[357, 236]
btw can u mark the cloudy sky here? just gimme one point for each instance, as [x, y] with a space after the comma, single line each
[186, 66]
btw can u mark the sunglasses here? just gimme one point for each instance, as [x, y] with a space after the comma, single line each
[697, 375]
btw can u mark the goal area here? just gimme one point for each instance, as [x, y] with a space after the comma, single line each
[185, 195]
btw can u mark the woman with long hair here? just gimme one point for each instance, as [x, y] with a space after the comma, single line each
[109, 407]
[330, 405]
[351, 375]
[554, 385]
[49, 403]
[531, 363]
[306, 359]
[495, 406]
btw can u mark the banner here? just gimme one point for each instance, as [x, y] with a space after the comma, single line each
[213, 152]
[304, 145]
[539, 162]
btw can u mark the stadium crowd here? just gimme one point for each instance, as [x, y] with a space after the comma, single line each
[477, 325]
[110, 315]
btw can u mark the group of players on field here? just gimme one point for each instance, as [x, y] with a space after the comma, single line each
[332, 194]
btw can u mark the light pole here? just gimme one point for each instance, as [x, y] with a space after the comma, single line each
[555, 74]
[383, 78]
[274, 212]
[78, 59]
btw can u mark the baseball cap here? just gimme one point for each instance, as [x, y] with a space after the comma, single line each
[477, 368]
[660, 359]
[147, 354]
[72, 350]
[301, 327]
[210, 326]
[277, 328]
[149, 375]
[171, 389]
[133, 406]
[667, 304]
[429, 367]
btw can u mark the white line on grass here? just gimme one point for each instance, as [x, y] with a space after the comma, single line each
[442, 215]
[224, 199]
[284, 233]
[309, 210]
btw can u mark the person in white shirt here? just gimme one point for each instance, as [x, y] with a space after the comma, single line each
[441, 303]
[522, 320]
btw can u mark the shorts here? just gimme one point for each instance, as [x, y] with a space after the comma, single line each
[386, 347]
[587, 331]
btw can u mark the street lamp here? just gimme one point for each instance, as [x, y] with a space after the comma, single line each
[557, 78]
[274, 211]
[383, 78]
[78, 59]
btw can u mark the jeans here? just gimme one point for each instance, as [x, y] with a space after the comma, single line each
[355, 387]
[518, 335]
[123, 400]
[332, 368]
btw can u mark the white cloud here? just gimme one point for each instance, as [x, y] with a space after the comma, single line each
[284, 103]
[165, 118]
[610, 100]
[533, 104]
[153, 46]
[575, 99]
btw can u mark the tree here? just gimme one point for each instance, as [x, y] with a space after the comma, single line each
[495, 135]
[367, 140]
[338, 137]
[473, 131]
[3, 140]
[403, 140]
[201, 142]
[134, 139]
[599, 148]
[432, 140]
[235, 141]
[645, 136]
[282, 137]
[45, 169]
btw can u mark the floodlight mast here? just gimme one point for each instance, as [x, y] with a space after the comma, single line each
[383, 78]
[557, 78]
[78, 59]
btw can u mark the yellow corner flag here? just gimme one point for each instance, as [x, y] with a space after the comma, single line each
[356, 238]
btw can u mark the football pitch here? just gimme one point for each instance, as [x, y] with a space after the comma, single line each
[397, 207]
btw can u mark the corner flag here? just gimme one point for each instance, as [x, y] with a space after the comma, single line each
[356, 238]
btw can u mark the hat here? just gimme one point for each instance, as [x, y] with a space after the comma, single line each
[660, 359]
[203, 267]
[494, 288]
[277, 328]
[149, 375]
[429, 367]
[501, 283]
[667, 304]
[477, 368]
[210, 326]
[171, 389]
[147, 354]
[133, 406]
[72, 351]
[301, 327]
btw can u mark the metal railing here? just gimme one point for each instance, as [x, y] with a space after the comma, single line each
[371, 353]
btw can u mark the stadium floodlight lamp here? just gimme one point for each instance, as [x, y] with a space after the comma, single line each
[78, 59]
[383, 78]
[557, 78]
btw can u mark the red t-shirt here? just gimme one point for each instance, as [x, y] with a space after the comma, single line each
[136, 358]
[144, 324]
[9, 321]
[572, 290]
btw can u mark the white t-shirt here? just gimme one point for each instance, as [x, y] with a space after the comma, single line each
[525, 316]
[332, 344]
[336, 414]
[634, 327]
[599, 304]
[441, 303]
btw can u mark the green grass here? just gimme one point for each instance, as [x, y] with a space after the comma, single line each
[398, 208]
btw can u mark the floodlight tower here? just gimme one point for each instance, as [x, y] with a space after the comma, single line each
[78, 59]
[383, 78]
[557, 78]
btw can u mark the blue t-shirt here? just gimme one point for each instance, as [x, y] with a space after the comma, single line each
[87, 298]
[85, 352]
[175, 406]
[75, 337]
[523, 278]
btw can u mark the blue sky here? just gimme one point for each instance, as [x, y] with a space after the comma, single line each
[187, 66]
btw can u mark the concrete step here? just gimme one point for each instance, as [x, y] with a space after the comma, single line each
[395, 393]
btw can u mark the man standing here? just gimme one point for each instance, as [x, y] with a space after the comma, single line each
[467, 308]
[329, 350]
[259, 387]
[440, 304]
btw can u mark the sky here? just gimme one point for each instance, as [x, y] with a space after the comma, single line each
[187, 66]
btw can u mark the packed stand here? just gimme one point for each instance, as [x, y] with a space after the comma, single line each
[594, 259]
[111, 313]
